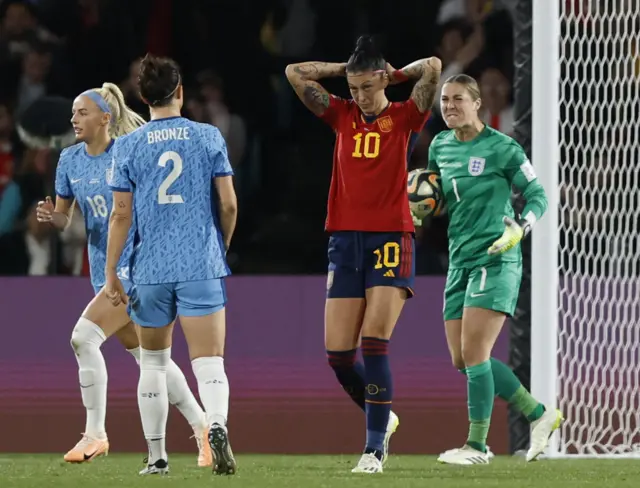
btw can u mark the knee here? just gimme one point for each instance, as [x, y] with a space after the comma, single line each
[86, 334]
[341, 360]
[376, 329]
[205, 352]
[473, 354]
[458, 361]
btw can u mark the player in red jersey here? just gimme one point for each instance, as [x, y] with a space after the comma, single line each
[371, 248]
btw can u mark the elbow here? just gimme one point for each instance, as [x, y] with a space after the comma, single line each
[545, 203]
[290, 71]
[434, 63]
[543, 200]
[539, 201]
[229, 207]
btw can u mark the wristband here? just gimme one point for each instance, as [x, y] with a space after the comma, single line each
[527, 222]
[400, 76]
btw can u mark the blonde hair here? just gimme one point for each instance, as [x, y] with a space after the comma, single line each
[470, 84]
[123, 119]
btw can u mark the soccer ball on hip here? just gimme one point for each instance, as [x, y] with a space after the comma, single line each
[425, 193]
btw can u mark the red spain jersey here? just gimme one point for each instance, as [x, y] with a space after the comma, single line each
[369, 182]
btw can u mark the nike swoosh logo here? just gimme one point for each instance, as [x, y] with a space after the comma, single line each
[75, 181]
[86, 386]
[89, 456]
[474, 295]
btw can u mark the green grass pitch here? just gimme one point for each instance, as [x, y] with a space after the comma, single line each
[268, 471]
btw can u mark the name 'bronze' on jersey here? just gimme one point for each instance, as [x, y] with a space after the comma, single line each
[477, 177]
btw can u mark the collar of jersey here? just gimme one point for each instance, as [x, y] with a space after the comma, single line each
[166, 118]
[107, 149]
[480, 135]
[371, 119]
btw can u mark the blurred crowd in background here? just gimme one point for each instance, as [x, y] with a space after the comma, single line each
[233, 54]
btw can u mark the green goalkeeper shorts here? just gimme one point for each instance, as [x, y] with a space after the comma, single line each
[493, 286]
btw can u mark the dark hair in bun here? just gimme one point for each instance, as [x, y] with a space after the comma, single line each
[158, 80]
[365, 57]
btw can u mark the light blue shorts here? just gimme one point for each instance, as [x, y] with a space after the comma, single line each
[158, 305]
[125, 283]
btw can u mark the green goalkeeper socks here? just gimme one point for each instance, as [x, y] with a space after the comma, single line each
[509, 388]
[526, 404]
[480, 392]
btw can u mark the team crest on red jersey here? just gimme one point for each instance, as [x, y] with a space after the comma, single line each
[385, 124]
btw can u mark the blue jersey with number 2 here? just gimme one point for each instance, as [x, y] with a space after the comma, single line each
[84, 178]
[169, 165]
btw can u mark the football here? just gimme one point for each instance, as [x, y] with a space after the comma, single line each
[425, 193]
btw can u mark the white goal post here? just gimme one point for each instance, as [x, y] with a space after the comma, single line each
[585, 290]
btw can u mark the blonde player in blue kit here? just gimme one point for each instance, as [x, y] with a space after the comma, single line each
[99, 116]
[173, 178]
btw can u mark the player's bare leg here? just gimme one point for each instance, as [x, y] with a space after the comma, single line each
[342, 324]
[153, 396]
[205, 336]
[180, 394]
[343, 320]
[509, 388]
[480, 330]
[453, 332]
[342, 330]
[98, 321]
[384, 305]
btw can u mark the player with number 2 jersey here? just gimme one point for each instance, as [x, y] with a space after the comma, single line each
[173, 178]
[177, 235]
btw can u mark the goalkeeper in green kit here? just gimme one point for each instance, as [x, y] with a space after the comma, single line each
[477, 167]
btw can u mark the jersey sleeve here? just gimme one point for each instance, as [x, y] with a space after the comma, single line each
[219, 156]
[63, 185]
[433, 163]
[415, 119]
[120, 177]
[336, 109]
[520, 173]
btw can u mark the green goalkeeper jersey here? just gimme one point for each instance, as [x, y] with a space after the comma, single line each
[477, 176]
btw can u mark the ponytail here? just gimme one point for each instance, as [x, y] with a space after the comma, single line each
[123, 119]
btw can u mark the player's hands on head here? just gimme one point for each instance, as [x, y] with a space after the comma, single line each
[391, 74]
[512, 235]
[44, 210]
[114, 289]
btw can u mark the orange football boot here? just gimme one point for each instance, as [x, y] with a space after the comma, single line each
[205, 456]
[87, 449]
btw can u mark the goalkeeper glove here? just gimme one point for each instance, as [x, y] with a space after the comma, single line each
[416, 221]
[513, 234]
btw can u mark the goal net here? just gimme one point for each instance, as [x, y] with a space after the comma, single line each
[599, 318]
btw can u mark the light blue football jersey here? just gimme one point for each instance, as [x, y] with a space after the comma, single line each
[169, 165]
[84, 177]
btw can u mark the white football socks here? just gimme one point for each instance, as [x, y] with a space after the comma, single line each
[213, 387]
[86, 340]
[180, 394]
[153, 400]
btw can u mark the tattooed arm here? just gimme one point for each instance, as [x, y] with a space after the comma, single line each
[304, 77]
[426, 72]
